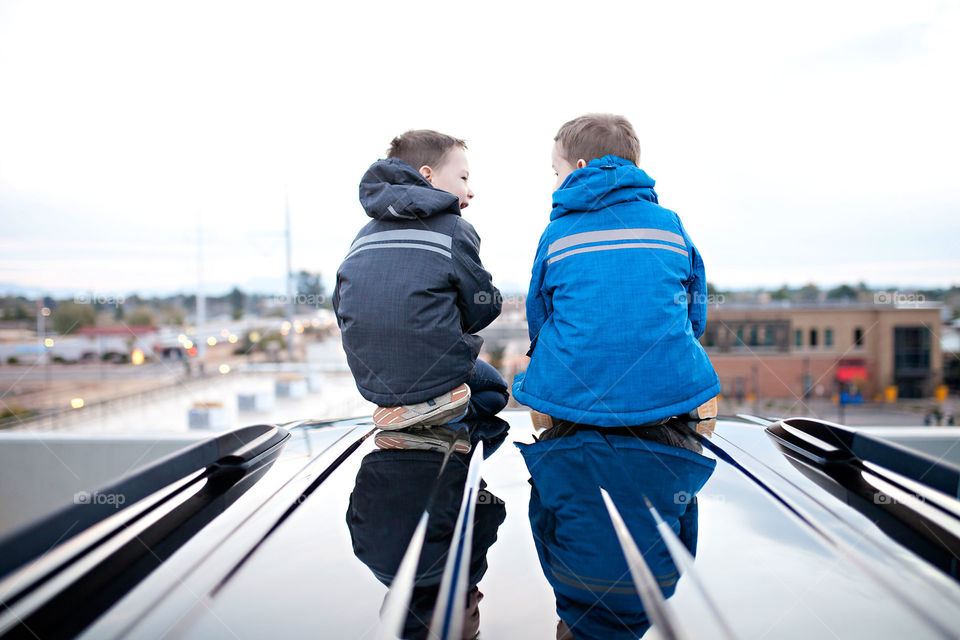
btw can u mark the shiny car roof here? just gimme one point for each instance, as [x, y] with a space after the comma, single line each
[337, 539]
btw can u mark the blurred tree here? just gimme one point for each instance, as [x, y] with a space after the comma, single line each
[843, 292]
[238, 302]
[70, 316]
[310, 291]
[18, 308]
[783, 293]
[170, 314]
[809, 293]
[141, 317]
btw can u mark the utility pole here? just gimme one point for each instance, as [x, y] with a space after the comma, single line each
[290, 304]
[201, 300]
[43, 356]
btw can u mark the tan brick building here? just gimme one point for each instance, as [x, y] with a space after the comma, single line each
[787, 351]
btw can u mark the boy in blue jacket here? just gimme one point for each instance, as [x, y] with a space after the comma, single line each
[617, 298]
[412, 294]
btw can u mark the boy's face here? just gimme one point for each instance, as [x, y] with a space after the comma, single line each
[563, 167]
[452, 176]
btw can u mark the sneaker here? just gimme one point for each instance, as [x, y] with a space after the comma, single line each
[426, 438]
[706, 411]
[440, 410]
[540, 420]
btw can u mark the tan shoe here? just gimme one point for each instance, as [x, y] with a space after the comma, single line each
[706, 427]
[440, 410]
[706, 411]
[540, 420]
[425, 438]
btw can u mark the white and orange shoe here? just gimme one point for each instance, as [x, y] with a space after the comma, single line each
[437, 438]
[440, 410]
[706, 411]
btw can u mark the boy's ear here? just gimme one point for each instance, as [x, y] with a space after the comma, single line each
[427, 173]
[581, 163]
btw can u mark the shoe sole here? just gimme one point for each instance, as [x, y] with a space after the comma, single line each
[708, 409]
[397, 441]
[540, 420]
[431, 418]
[446, 416]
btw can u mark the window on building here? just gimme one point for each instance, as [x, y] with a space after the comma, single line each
[858, 337]
[813, 338]
[769, 335]
[798, 338]
[754, 337]
[828, 337]
[739, 336]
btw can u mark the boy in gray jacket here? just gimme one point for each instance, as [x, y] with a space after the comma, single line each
[412, 294]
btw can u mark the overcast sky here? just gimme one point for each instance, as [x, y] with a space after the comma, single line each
[815, 142]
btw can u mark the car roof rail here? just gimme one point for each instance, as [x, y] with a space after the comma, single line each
[234, 451]
[823, 442]
[56, 588]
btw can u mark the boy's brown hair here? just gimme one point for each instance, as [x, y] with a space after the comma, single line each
[423, 147]
[596, 135]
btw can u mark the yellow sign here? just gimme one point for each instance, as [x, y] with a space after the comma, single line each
[890, 393]
[941, 393]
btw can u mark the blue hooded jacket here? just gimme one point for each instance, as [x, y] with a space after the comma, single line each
[616, 305]
[411, 293]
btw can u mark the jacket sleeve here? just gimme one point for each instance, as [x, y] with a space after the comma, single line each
[696, 287]
[335, 300]
[478, 300]
[539, 306]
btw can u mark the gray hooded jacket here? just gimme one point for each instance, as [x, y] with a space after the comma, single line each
[411, 293]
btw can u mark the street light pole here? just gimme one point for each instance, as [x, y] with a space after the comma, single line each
[290, 332]
[201, 300]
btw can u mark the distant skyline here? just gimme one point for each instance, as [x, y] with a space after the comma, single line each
[810, 143]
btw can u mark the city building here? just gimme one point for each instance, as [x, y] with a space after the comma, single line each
[784, 350]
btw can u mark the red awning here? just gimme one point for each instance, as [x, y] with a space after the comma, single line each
[851, 373]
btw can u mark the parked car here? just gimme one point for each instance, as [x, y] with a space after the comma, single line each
[742, 528]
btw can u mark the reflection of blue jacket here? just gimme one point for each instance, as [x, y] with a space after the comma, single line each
[578, 548]
[616, 304]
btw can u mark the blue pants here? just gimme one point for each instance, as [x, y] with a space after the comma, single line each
[488, 392]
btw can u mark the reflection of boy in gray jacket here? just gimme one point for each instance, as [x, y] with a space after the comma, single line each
[412, 293]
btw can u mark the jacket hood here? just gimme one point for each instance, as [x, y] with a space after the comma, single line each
[393, 190]
[603, 182]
